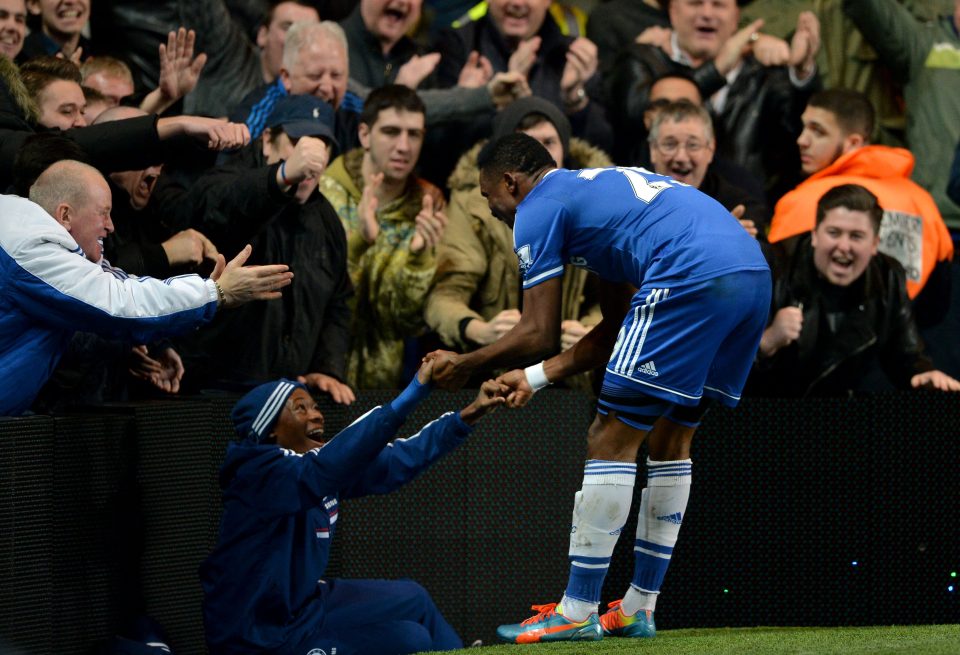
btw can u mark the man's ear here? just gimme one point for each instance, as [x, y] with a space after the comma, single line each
[63, 215]
[262, 32]
[512, 182]
[33, 6]
[363, 132]
[285, 79]
[852, 142]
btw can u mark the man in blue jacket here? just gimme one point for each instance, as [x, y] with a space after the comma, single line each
[263, 584]
[54, 281]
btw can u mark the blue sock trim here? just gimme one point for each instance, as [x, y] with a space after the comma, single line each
[410, 397]
[585, 584]
[649, 571]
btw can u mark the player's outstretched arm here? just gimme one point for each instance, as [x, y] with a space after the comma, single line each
[589, 352]
[536, 335]
[491, 396]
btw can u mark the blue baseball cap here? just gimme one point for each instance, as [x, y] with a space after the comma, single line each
[256, 413]
[303, 115]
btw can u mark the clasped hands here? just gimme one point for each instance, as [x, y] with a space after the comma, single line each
[452, 370]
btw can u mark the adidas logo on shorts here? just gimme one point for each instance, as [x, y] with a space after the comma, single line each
[648, 369]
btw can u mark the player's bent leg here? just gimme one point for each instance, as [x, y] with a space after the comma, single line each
[600, 510]
[662, 507]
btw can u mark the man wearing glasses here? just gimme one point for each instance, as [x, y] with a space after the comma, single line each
[682, 146]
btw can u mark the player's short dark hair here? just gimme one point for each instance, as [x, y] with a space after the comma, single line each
[515, 153]
[391, 96]
[853, 110]
[853, 197]
[37, 153]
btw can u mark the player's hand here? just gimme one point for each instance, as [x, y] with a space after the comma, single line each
[425, 372]
[340, 392]
[784, 330]
[490, 397]
[519, 390]
[935, 380]
[450, 370]
[476, 72]
[430, 226]
[241, 284]
[417, 69]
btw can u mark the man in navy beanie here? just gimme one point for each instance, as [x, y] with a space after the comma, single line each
[263, 584]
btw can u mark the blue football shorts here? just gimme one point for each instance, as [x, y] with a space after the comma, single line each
[684, 343]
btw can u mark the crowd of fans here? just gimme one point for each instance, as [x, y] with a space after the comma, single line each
[341, 139]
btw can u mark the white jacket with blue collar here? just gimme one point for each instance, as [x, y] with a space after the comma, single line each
[49, 290]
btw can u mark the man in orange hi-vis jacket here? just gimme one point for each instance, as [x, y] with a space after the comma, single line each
[835, 149]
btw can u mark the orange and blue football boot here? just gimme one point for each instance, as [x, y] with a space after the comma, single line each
[617, 624]
[550, 625]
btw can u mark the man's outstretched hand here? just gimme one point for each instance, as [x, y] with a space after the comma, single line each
[241, 284]
[450, 370]
[490, 397]
[518, 390]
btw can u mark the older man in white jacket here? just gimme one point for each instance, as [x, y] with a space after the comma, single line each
[54, 281]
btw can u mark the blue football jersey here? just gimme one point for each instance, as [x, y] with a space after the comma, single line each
[628, 225]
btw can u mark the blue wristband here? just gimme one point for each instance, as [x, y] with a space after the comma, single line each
[410, 397]
[283, 173]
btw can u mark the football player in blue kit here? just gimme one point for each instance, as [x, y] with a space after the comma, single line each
[686, 292]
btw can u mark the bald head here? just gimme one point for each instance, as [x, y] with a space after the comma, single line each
[78, 198]
[64, 181]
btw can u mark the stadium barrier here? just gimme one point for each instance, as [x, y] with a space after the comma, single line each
[803, 512]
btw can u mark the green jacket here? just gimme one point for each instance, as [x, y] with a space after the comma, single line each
[390, 282]
[926, 58]
[477, 271]
[849, 62]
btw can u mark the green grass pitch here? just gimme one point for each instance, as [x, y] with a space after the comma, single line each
[908, 640]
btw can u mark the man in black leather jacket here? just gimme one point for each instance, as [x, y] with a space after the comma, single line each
[838, 304]
[756, 98]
